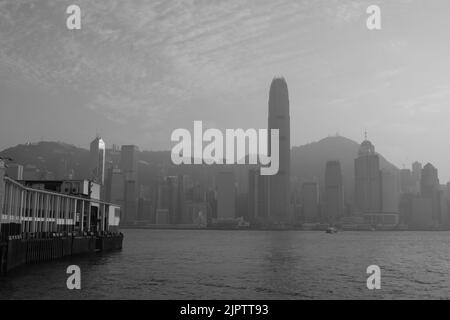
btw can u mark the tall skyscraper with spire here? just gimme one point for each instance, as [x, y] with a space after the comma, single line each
[279, 184]
[367, 179]
[129, 165]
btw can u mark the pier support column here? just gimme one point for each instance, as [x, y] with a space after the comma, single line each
[9, 213]
[22, 208]
[102, 215]
[28, 212]
[58, 212]
[46, 209]
[75, 214]
[83, 204]
[89, 217]
[33, 223]
[66, 214]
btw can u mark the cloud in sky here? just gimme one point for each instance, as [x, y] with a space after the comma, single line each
[156, 51]
[139, 69]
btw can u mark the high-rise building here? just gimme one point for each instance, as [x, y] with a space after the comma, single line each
[129, 162]
[417, 170]
[405, 208]
[114, 156]
[445, 217]
[367, 179]
[129, 167]
[279, 184]
[253, 174]
[263, 197]
[169, 198]
[145, 210]
[115, 188]
[211, 201]
[390, 197]
[97, 161]
[406, 181]
[429, 180]
[183, 182]
[130, 208]
[310, 202]
[430, 189]
[416, 175]
[422, 213]
[447, 193]
[258, 202]
[334, 191]
[226, 195]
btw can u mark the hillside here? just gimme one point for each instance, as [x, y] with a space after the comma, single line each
[308, 161]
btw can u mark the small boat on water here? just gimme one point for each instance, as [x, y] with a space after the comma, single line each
[331, 230]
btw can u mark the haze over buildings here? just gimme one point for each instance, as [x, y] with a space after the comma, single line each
[97, 160]
[334, 191]
[367, 179]
[161, 70]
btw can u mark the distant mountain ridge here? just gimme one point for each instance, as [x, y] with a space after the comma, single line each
[51, 157]
[307, 162]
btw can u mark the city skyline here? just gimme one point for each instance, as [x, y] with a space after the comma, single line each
[149, 69]
[384, 197]
[202, 151]
[112, 146]
[172, 195]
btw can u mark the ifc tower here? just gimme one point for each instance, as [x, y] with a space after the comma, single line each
[279, 184]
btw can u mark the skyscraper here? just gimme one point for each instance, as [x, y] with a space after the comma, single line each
[257, 196]
[416, 170]
[129, 162]
[173, 186]
[334, 191]
[310, 202]
[253, 174]
[279, 184]
[416, 176]
[367, 179]
[97, 161]
[406, 181]
[429, 180]
[226, 195]
[179, 207]
[390, 197]
[129, 166]
[430, 189]
[446, 197]
[115, 187]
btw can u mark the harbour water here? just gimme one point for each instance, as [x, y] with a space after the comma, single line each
[202, 264]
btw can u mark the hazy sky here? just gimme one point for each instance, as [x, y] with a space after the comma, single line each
[139, 69]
